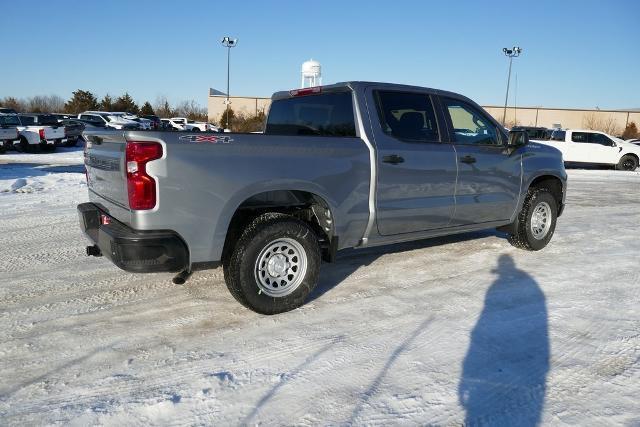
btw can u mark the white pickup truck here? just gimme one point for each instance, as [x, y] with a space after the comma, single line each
[39, 132]
[183, 123]
[8, 131]
[591, 147]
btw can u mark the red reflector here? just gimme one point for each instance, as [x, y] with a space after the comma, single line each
[141, 186]
[306, 91]
[41, 132]
[105, 220]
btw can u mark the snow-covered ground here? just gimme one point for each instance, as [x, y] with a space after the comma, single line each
[444, 331]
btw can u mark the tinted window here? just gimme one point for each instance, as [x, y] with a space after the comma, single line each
[48, 119]
[407, 116]
[9, 121]
[470, 126]
[328, 114]
[598, 138]
[580, 137]
[27, 120]
[558, 135]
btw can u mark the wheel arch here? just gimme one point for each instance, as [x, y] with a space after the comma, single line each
[312, 207]
[554, 184]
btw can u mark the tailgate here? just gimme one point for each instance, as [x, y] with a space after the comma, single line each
[105, 163]
[54, 132]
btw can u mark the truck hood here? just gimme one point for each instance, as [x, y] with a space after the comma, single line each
[629, 147]
[541, 147]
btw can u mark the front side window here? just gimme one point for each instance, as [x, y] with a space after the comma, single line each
[326, 114]
[407, 116]
[469, 125]
[598, 138]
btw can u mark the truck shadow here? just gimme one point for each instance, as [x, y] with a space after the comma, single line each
[350, 260]
[504, 371]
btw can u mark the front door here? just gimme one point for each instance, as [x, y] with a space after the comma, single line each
[489, 175]
[416, 171]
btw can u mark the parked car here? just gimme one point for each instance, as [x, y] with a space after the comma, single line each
[182, 123]
[39, 132]
[8, 131]
[108, 119]
[633, 141]
[590, 147]
[155, 121]
[347, 165]
[167, 124]
[73, 129]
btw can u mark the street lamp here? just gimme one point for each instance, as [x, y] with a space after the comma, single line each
[511, 53]
[228, 42]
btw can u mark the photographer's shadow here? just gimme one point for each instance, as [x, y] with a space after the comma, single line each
[504, 372]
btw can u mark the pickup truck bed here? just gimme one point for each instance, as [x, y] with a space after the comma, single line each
[341, 166]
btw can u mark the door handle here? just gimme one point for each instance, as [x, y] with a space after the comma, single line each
[468, 159]
[394, 159]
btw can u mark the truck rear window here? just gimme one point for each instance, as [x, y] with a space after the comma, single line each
[328, 114]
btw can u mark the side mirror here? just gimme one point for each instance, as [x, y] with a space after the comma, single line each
[518, 138]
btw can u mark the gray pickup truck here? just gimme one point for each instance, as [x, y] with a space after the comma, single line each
[342, 166]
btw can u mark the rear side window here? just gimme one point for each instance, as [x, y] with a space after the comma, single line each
[580, 137]
[407, 116]
[328, 114]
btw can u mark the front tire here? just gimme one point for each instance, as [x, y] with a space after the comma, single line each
[275, 264]
[627, 163]
[536, 221]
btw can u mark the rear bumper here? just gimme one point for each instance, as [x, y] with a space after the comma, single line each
[133, 250]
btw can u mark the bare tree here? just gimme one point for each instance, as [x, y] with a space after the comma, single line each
[45, 104]
[192, 110]
[606, 124]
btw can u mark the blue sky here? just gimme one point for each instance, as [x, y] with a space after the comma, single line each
[579, 54]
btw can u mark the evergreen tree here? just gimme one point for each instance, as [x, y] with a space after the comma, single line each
[82, 100]
[223, 119]
[107, 103]
[126, 104]
[147, 109]
[631, 131]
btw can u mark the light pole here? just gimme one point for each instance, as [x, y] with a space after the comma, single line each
[511, 53]
[228, 42]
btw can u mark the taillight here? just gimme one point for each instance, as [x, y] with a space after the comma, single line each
[41, 132]
[306, 91]
[141, 187]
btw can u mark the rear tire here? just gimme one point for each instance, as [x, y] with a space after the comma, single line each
[275, 264]
[536, 221]
[24, 146]
[628, 162]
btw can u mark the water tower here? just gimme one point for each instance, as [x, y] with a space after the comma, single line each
[311, 74]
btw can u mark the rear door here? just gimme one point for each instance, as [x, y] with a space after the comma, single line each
[416, 170]
[489, 175]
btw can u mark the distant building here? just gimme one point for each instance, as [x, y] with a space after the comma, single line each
[246, 104]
